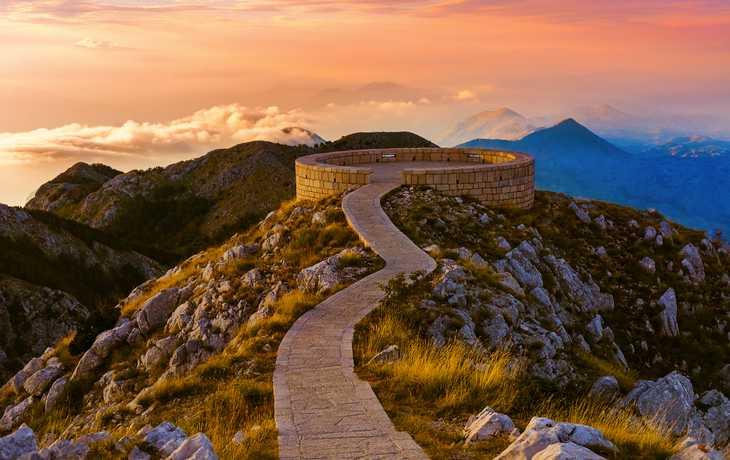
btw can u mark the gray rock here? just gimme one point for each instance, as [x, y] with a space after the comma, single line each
[38, 383]
[697, 452]
[156, 311]
[252, 278]
[693, 261]
[15, 414]
[137, 454]
[648, 264]
[497, 329]
[567, 451]
[486, 425]
[274, 241]
[649, 233]
[587, 296]
[579, 213]
[135, 336]
[582, 344]
[668, 316]
[259, 316]
[601, 221]
[517, 263]
[502, 243]
[601, 251]
[208, 272]
[274, 295]
[665, 231]
[21, 441]
[18, 381]
[108, 340]
[196, 447]
[669, 402]
[269, 220]
[54, 392]
[389, 355]
[541, 433]
[659, 240]
[606, 388]
[318, 217]
[717, 417]
[87, 363]
[317, 278]
[633, 223]
[595, 329]
[166, 438]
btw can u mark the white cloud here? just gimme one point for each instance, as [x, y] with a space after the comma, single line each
[465, 95]
[89, 43]
[425, 100]
[220, 126]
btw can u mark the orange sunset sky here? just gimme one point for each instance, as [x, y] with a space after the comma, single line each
[140, 83]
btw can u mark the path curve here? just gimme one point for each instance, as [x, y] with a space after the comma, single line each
[322, 410]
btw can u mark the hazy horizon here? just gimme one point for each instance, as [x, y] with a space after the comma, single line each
[141, 83]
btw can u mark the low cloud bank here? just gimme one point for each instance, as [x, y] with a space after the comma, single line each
[220, 126]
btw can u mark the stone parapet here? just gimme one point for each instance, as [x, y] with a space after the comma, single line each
[495, 177]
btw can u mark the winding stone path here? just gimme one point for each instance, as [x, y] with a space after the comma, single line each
[322, 410]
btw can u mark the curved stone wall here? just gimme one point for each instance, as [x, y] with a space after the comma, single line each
[495, 177]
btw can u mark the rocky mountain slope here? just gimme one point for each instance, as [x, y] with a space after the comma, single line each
[195, 347]
[188, 205]
[573, 160]
[51, 278]
[587, 298]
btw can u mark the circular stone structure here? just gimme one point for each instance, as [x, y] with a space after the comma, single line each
[494, 177]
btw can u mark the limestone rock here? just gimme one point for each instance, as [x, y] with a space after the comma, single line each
[166, 438]
[502, 243]
[669, 402]
[567, 451]
[156, 311]
[487, 425]
[108, 340]
[38, 383]
[697, 452]
[87, 363]
[665, 231]
[196, 447]
[508, 281]
[252, 278]
[137, 454]
[21, 441]
[595, 329]
[318, 217]
[579, 213]
[15, 414]
[648, 264]
[390, 354]
[541, 433]
[273, 242]
[318, 277]
[274, 295]
[649, 233]
[601, 221]
[606, 388]
[18, 381]
[692, 260]
[54, 392]
[259, 316]
[668, 316]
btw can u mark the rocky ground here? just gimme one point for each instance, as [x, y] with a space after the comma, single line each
[194, 347]
[588, 297]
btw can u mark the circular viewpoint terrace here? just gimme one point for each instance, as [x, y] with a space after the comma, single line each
[494, 177]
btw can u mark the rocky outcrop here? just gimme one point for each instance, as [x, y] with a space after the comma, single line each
[668, 315]
[542, 433]
[487, 425]
[606, 388]
[692, 262]
[20, 442]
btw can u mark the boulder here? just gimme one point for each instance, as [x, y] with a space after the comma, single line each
[648, 264]
[595, 329]
[108, 340]
[606, 388]
[601, 221]
[486, 425]
[541, 433]
[318, 217]
[54, 392]
[21, 441]
[196, 447]
[87, 363]
[507, 280]
[166, 438]
[18, 381]
[208, 272]
[668, 315]
[273, 242]
[38, 383]
[137, 454]
[259, 316]
[390, 354]
[665, 231]
[15, 414]
[318, 277]
[502, 243]
[697, 452]
[156, 311]
[274, 295]
[517, 262]
[669, 402]
[649, 233]
[252, 278]
[692, 260]
[717, 417]
[579, 213]
[567, 451]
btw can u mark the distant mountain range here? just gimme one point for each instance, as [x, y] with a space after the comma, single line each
[375, 91]
[573, 160]
[630, 132]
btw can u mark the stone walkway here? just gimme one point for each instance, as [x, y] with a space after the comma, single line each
[322, 410]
